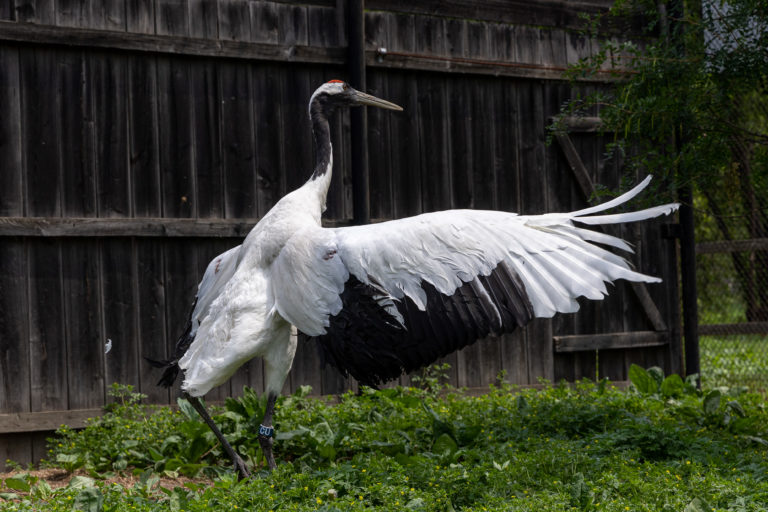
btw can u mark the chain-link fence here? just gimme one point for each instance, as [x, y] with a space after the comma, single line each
[732, 270]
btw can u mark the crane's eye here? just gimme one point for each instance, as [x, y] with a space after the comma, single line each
[344, 86]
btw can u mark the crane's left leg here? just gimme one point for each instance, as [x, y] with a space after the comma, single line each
[234, 457]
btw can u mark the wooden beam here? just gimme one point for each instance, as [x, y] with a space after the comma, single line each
[580, 171]
[442, 64]
[754, 244]
[727, 329]
[176, 45]
[580, 124]
[140, 227]
[45, 421]
[617, 340]
[554, 13]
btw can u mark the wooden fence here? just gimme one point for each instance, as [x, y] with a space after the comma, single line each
[140, 139]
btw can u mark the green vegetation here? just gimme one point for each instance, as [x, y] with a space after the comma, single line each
[661, 445]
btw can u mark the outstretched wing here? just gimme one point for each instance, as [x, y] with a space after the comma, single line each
[217, 274]
[388, 298]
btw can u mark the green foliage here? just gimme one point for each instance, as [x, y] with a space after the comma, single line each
[584, 447]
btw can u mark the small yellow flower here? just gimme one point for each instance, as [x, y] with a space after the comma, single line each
[319, 501]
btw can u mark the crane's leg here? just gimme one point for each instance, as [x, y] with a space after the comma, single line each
[236, 460]
[277, 363]
[267, 432]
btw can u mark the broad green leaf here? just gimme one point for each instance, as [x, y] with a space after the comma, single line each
[737, 408]
[657, 374]
[712, 402]
[89, 500]
[672, 386]
[81, 482]
[642, 380]
[697, 505]
[444, 444]
[17, 484]
[188, 410]
[9, 496]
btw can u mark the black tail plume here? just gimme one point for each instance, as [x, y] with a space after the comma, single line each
[172, 365]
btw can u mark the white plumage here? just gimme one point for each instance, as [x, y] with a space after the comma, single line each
[496, 270]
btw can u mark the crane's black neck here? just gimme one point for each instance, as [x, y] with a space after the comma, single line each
[322, 134]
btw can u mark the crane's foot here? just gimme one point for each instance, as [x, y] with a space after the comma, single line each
[241, 468]
[266, 440]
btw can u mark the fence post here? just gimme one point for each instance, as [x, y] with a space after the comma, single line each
[361, 210]
[688, 278]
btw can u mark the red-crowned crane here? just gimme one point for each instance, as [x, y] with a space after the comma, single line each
[384, 299]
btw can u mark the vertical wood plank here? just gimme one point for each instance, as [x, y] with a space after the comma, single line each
[306, 369]
[72, 13]
[405, 147]
[321, 27]
[7, 13]
[151, 305]
[140, 16]
[379, 163]
[108, 15]
[267, 82]
[48, 355]
[292, 24]
[108, 76]
[237, 135]
[143, 145]
[204, 19]
[15, 391]
[176, 137]
[16, 448]
[85, 341]
[234, 20]
[207, 111]
[119, 303]
[35, 11]
[172, 17]
[77, 144]
[297, 141]
[264, 22]
[40, 134]
[11, 179]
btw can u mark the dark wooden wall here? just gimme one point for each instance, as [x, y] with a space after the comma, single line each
[140, 139]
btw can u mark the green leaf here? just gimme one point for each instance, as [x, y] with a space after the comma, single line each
[89, 500]
[642, 380]
[657, 374]
[737, 408]
[444, 444]
[17, 484]
[188, 410]
[9, 496]
[712, 402]
[697, 505]
[81, 482]
[672, 386]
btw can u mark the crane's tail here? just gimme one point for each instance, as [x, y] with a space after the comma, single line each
[171, 365]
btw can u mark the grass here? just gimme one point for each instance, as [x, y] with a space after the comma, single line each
[662, 445]
[734, 360]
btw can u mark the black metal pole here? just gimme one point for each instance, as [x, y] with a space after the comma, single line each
[361, 208]
[688, 278]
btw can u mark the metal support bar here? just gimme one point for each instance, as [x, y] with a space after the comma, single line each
[688, 279]
[361, 208]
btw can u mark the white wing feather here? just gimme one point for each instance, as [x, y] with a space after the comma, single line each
[555, 260]
[219, 271]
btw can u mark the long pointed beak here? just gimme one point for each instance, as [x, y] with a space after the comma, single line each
[372, 101]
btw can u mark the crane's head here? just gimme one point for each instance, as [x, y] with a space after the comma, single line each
[336, 93]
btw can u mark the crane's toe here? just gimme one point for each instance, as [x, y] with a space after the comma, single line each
[241, 468]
